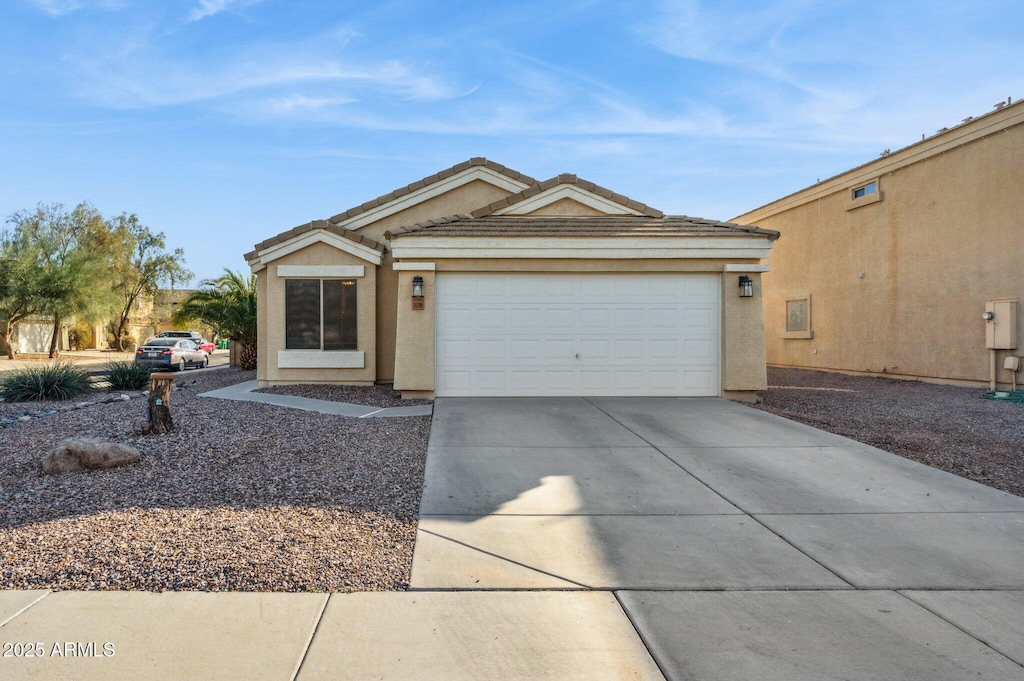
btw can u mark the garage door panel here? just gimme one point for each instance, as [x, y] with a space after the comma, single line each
[633, 334]
[630, 318]
[698, 320]
[562, 317]
[595, 318]
[559, 380]
[698, 351]
[699, 379]
[560, 348]
[561, 288]
[528, 318]
[455, 318]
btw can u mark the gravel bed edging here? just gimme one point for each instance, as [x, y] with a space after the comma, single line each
[381, 395]
[948, 427]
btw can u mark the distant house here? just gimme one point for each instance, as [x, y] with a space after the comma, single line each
[481, 281]
[33, 335]
[888, 268]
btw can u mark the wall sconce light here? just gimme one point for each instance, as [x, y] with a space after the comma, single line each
[417, 292]
[746, 287]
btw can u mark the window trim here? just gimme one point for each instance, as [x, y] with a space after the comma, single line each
[806, 333]
[866, 199]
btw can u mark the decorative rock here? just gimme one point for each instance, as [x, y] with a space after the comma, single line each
[24, 418]
[82, 405]
[77, 453]
[124, 397]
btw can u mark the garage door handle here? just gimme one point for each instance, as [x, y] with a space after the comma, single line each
[577, 355]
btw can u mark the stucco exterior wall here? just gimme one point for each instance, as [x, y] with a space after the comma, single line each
[262, 325]
[898, 285]
[567, 206]
[463, 199]
[272, 338]
[743, 355]
[414, 354]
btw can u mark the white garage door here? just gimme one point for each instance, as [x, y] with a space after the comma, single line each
[565, 334]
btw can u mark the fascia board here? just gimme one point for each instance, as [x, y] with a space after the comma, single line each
[580, 248]
[309, 238]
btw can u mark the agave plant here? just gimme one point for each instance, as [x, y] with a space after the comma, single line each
[128, 375]
[51, 381]
[227, 305]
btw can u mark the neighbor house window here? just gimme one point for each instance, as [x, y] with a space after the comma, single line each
[798, 317]
[320, 314]
[867, 190]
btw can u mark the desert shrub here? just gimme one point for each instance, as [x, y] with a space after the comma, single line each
[52, 381]
[81, 335]
[128, 375]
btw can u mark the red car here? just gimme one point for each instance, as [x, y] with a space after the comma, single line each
[206, 346]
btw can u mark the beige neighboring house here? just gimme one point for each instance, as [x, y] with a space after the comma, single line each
[889, 267]
[481, 281]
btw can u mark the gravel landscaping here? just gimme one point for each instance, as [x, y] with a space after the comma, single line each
[241, 496]
[948, 427]
[382, 395]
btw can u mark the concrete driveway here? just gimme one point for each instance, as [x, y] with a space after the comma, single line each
[739, 545]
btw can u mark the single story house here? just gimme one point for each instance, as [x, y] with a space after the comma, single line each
[481, 281]
[890, 268]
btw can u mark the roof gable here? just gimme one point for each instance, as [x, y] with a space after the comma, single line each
[567, 186]
[318, 231]
[475, 169]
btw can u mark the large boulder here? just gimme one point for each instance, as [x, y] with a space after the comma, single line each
[77, 453]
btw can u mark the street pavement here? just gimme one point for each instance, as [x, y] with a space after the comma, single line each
[96, 361]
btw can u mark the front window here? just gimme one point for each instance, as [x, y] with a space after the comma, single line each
[320, 314]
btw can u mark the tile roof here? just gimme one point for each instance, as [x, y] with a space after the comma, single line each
[567, 178]
[554, 226]
[432, 179]
[310, 226]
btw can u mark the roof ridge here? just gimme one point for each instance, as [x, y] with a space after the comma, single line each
[567, 178]
[429, 180]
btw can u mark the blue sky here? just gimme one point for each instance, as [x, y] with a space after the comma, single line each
[224, 122]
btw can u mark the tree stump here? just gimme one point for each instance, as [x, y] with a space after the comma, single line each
[159, 404]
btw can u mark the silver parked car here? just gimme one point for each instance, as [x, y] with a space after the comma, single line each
[176, 353]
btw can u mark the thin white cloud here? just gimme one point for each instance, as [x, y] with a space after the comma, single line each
[56, 8]
[207, 8]
[59, 8]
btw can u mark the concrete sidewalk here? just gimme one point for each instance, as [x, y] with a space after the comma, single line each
[471, 636]
[243, 392]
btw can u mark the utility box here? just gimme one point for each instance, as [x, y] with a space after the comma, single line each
[1001, 328]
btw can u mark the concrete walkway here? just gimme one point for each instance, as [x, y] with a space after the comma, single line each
[243, 392]
[610, 539]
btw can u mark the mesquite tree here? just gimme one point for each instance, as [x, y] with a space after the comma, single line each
[142, 264]
[70, 258]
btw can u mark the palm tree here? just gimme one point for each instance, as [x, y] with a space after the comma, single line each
[227, 305]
